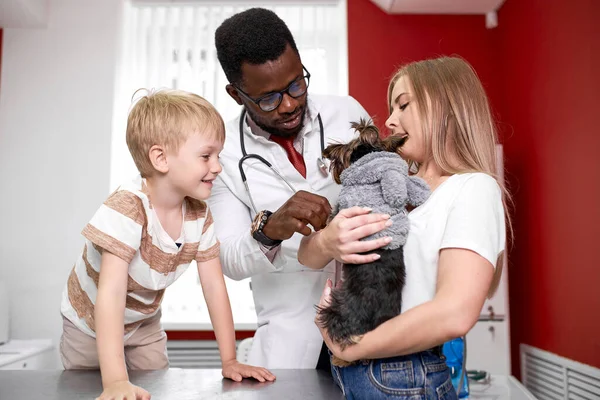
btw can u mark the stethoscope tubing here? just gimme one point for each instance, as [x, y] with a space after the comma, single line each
[246, 156]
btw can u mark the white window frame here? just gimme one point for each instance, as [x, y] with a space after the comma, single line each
[152, 33]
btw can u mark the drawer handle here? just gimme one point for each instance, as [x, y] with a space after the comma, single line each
[492, 314]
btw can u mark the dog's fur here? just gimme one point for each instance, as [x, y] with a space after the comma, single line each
[371, 293]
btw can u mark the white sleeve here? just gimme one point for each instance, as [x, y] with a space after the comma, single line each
[357, 111]
[476, 219]
[241, 255]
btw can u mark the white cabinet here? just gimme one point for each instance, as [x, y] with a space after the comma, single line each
[497, 306]
[38, 361]
[488, 347]
[488, 343]
[26, 354]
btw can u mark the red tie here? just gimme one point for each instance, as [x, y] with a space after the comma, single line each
[295, 158]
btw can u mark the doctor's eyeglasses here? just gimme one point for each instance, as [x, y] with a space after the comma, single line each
[271, 101]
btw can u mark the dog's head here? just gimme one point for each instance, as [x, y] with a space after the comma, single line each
[368, 141]
[343, 155]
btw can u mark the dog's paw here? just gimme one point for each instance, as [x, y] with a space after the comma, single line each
[338, 362]
[354, 339]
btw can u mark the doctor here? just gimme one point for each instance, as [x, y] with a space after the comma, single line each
[279, 139]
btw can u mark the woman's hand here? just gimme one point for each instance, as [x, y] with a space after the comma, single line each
[350, 353]
[340, 240]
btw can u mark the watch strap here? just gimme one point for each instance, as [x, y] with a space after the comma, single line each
[259, 235]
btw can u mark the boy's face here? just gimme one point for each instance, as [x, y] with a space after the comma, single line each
[195, 166]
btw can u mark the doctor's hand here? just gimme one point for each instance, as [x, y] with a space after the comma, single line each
[341, 239]
[302, 209]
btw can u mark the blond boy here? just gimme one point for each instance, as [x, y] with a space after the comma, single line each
[141, 240]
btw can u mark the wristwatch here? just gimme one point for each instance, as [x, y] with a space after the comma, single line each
[258, 224]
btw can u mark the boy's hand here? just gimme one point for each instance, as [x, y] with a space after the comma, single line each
[236, 371]
[123, 390]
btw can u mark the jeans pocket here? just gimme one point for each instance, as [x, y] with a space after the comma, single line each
[436, 367]
[446, 391]
[399, 375]
[395, 378]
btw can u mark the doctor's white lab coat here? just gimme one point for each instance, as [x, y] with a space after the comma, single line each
[285, 292]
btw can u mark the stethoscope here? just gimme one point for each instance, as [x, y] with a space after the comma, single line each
[245, 156]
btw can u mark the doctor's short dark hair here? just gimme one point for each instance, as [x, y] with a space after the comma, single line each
[254, 36]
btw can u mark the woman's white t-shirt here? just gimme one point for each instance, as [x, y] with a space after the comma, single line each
[465, 212]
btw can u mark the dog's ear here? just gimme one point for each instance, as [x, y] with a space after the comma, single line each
[339, 155]
[393, 143]
[367, 133]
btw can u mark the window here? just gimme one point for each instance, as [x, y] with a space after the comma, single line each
[172, 45]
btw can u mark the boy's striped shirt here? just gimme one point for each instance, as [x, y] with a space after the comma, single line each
[126, 226]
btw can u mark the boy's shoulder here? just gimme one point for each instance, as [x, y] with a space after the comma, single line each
[129, 201]
[195, 209]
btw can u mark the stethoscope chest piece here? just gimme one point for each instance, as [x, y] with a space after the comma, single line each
[322, 166]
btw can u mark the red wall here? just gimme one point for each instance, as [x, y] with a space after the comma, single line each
[540, 68]
[379, 43]
[550, 65]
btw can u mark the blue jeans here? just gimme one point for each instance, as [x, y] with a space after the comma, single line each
[419, 376]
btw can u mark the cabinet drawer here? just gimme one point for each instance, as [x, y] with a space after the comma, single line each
[488, 347]
[22, 364]
[497, 306]
[37, 361]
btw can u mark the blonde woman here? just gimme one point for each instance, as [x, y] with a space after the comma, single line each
[454, 248]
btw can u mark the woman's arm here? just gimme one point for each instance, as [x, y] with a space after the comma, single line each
[463, 281]
[340, 240]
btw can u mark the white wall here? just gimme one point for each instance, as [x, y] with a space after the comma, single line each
[23, 13]
[56, 97]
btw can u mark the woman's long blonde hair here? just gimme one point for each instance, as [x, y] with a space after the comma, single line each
[455, 110]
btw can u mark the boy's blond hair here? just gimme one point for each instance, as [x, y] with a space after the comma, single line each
[167, 118]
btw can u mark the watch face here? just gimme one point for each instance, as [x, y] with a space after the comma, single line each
[256, 222]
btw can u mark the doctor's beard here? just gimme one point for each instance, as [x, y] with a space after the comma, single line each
[273, 130]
